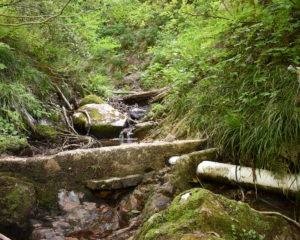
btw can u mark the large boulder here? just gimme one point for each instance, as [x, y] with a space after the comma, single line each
[17, 202]
[106, 122]
[200, 214]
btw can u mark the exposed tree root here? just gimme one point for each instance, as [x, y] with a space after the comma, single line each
[295, 223]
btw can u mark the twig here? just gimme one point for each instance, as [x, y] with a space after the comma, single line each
[67, 121]
[63, 97]
[43, 16]
[89, 120]
[280, 215]
[40, 22]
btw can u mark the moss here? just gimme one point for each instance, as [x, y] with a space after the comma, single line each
[12, 144]
[17, 199]
[204, 211]
[105, 131]
[46, 132]
[91, 99]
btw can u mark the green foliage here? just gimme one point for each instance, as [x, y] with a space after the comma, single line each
[230, 68]
[12, 144]
[244, 234]
[231, 65]
[99, 85]
[46, 132]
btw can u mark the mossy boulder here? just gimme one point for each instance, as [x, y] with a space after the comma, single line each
[106, 122]
[46, 132]
[90, 99]
[200, 214]
[17, 202]
[12, 144]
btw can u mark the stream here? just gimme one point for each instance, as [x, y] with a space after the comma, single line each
[117, 211]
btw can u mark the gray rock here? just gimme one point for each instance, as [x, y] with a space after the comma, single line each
[142, 129]
[115, 183]
[106, 122]
[137, 113]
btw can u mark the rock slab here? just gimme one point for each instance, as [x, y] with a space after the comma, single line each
[115, 182]
[71, 169]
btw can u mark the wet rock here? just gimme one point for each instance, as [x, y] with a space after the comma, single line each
[137, 113]
[156, 203]
[69, 200]
[17, 203]
[143, 128]
[106, 122]
[204, 215]
[115, 183]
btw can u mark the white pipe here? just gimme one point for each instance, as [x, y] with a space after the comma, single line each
[2, 237]
[244, 175]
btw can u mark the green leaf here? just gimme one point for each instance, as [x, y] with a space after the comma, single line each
[135, 211]
[2, 66]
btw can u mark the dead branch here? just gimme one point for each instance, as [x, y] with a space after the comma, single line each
[63, 97]
[143, 96]
[67, 121]
[37, 22]
[88, 119]
[10, 4]
[160, 96]
[25, 116]
[218, 17]
[47, 16]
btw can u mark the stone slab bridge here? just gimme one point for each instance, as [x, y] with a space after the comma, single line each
[71, 169]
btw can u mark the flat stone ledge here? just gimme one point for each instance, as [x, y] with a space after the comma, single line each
[115, 182]
[71, 169]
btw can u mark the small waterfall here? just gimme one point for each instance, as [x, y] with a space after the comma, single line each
[126, 135]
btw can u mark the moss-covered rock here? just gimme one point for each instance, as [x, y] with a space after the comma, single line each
[204, 215]
[17, 201]
[12, 144]
[106, 122]
[46, 132]
[90, 99]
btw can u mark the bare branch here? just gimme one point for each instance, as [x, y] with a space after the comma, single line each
[216, 16]
[10, 4]
[43, 16]
[206, 15]
[39, 22]
[280, 215]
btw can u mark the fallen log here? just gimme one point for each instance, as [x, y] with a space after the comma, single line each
[246, 176]
[143, 96]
